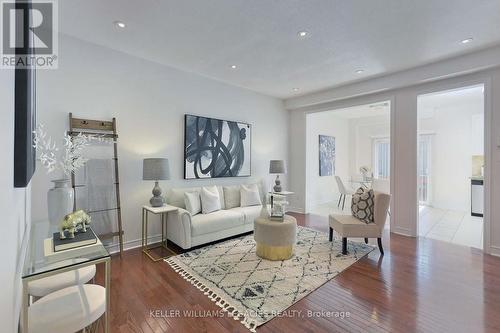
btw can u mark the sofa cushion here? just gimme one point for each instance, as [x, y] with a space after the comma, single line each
[231, 196]
[210, 199]
[222, 219]
[250, 212]
[175, 196]
[192, 202]
[250, 195]
[221, 197]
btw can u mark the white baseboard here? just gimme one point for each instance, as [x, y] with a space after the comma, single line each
[402, 231]
[295, 210]
[495, 251]
[132, 244]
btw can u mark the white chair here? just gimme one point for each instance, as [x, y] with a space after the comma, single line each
[343, 191]
[349, 226]
[67, 310]
[382, 186]
[41, 287]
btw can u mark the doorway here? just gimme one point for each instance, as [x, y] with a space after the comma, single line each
[450, 165]
[360, 138]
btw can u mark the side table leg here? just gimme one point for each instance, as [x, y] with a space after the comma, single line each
[108, 291]
[146, 231]
[24, 310]
[162, 218]
[142, 229]
[166, 233]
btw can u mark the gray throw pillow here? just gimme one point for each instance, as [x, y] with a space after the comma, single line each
[231, 196]
[362, 205]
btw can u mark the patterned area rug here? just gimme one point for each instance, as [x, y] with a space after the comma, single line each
[253, 290]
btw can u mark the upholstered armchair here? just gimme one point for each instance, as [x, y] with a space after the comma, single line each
[349, 226]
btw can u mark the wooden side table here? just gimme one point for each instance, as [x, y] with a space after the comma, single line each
[162, 211]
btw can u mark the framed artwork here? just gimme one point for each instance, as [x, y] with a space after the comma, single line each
[326, 155]
[24, 120]
[216, 148]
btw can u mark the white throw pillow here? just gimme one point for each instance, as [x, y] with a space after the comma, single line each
[250, 195]
[210, 200]
[192, 202]
[232, 196]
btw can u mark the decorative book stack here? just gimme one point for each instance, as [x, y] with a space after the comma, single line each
[80, 239]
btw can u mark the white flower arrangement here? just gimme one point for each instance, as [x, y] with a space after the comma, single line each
[71, 159]
[365, 170]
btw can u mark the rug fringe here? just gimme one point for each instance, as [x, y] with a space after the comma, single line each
[218, 300]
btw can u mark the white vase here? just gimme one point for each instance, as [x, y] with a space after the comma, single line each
[60, 201]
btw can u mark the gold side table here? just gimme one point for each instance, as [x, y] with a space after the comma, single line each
[162, 211]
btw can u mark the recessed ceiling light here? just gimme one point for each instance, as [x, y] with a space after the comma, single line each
[295, 89]
[120, 24]
[360, 71]
[466, 41]
[234, 66]
[303, 34]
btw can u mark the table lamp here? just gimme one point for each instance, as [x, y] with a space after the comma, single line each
[156, 169]
[277, 167]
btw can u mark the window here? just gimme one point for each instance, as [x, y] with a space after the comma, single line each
[424, 169]
[381, 158]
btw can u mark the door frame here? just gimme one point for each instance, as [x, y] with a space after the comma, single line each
[488, 153]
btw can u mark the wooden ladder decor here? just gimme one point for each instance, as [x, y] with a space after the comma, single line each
[105, 129]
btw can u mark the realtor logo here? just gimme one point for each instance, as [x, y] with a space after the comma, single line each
[29, 34]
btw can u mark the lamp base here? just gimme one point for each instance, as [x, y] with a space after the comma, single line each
[277, 187]
[157, 199]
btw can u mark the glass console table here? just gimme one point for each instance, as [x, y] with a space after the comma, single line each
[41, 264]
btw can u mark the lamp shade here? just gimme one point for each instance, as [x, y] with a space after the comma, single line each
[277, 166]
[155, 169]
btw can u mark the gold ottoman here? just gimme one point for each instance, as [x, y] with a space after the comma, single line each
[275, 239]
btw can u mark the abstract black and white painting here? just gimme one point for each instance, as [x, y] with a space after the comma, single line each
[216, 148]
[326, 155]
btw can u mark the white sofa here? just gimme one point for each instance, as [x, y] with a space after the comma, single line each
[188, 231]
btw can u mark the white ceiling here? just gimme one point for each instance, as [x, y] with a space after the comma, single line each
[260, 36]
[472, 97]
[362, 111]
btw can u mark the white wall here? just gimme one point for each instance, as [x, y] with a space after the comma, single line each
[15, 212]
[149, 102]
[324, 189]
[437, 77]
[362, 133]
[451, 158]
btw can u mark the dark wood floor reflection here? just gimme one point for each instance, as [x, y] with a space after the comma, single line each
[420, 285]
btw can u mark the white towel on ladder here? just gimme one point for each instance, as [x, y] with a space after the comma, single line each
[101, 194]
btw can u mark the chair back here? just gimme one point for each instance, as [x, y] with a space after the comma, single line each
[381, 185]
[382, 202]
[340, 185]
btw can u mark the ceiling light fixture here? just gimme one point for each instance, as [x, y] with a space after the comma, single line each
[234, 66]
[466, 41]
[120, 24]
[360, 71]
[303, 34]
[295, 89]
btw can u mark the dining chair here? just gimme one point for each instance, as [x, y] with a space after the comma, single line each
[68, 310]
[42, 287]
[343, 191]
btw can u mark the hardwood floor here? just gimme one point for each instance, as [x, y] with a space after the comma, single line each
[420, 285]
